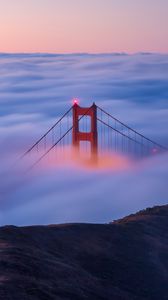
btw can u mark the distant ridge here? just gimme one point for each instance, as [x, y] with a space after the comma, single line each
[126, 259]
[161, 211]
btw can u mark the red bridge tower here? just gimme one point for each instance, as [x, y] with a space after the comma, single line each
[91, 136]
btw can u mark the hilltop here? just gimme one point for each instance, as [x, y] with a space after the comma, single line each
[123, 260]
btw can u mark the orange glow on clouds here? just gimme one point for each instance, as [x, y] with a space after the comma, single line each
[67, 156]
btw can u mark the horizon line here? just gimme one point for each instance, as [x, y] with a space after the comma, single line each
[86, 53]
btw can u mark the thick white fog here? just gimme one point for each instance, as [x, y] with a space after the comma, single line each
[35, 90]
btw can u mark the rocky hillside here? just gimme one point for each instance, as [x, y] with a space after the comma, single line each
[126, 259]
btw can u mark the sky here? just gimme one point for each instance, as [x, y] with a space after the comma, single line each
[94, 26]
[35, 90]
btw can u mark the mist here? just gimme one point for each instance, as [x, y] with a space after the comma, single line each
[35, 91]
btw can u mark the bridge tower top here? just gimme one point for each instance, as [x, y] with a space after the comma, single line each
[92, 136]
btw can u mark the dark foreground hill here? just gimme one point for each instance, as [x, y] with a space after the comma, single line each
[127, 259]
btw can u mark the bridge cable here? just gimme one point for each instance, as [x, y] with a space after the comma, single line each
[121, 133]
[44, 136]
[60, 139]
[146, 138]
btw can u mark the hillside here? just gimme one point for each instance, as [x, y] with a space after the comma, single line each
[125, 259]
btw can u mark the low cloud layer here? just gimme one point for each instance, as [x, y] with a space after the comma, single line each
[35, 90]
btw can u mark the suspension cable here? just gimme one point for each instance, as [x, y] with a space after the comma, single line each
[60, 139]
[121, 133]
[133, 130]
[35, 144]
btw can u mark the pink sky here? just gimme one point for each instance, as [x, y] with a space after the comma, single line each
[65, 26]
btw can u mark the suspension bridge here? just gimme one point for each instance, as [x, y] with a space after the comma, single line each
[91, 131]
